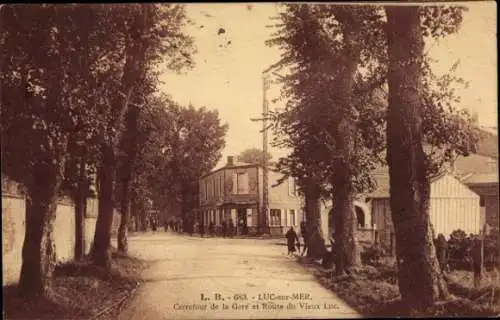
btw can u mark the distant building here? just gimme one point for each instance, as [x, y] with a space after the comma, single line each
[235, 192]
[480, 173]
[452, 206]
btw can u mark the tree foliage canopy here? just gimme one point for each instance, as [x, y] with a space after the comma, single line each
[313, 45]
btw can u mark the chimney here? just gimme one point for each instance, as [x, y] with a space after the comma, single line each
[230, 161]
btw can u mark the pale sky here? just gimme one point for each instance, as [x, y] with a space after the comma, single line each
[227, 76]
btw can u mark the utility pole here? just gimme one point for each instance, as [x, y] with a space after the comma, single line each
[265, 182]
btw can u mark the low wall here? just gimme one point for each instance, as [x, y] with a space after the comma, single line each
[13, 231]
[366, 235]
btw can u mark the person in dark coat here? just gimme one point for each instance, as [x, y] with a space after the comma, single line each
[291, 239]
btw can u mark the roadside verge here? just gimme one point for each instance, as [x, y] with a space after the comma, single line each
[80, 291]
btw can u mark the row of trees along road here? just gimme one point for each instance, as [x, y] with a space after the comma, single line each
[359, 94]
[79, 101]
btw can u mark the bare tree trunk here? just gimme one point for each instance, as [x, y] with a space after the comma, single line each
[135, 212]
[347, 251]
[101, 255]
[130, 146]
[133, 70]
[125, 213]
[316, 248]
[420, 280]
[39, 251]
[345, 135]
[80, 206]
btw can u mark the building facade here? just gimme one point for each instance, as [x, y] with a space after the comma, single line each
[234, 193]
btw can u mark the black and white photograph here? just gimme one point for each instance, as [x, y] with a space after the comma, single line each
[249, 160]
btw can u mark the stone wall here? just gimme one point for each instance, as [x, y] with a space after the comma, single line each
[13, 213]
[13, 231]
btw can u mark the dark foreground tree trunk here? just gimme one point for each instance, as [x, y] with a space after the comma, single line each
[102, 238]
[420, 280]
[80, 208]
[316, 248]
[39, 251]
[125, 214]
[346, 249]
[134, 211]
[130, 146]
[133, 70]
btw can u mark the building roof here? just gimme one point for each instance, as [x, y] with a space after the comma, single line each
[481, 178]
[475, 164]
[238, 164]
[488, 142]
[382, 180]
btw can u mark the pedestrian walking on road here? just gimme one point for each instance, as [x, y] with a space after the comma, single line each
[291, 238]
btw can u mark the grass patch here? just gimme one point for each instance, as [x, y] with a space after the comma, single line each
[374, 292]
[80, 290]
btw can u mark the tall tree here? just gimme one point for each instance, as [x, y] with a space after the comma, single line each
[38, 115]
[166, 44]
[254, 156]
[420, 280]
[196, 148]
[325, 46]
[135, 49]
[146, 29]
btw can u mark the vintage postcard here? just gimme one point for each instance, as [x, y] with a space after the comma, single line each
[249, 160]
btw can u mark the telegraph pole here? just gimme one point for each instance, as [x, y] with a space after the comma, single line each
[265, 182]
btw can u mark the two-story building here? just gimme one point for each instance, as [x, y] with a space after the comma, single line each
[235, 193]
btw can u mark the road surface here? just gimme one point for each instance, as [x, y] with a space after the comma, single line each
[214, 278]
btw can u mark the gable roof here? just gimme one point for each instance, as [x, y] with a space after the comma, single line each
[481, 178]
[475, 164]
[237, 164]
[445, 185]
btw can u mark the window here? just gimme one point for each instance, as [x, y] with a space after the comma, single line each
[360, 216]
[275, 217]
[481, 201]
[291, 217]
[240, 183]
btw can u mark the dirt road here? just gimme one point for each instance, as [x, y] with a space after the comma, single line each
[213, 278]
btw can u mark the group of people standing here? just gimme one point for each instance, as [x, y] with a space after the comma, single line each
[175, 225]
[227, 229]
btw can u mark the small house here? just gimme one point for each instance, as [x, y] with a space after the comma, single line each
[235, 192]
[452, 206]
